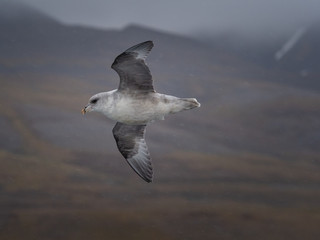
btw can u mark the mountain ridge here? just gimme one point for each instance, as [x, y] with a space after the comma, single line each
[35, 26]
[73, 55]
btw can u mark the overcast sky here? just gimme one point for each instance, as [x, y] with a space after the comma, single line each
[185, 16]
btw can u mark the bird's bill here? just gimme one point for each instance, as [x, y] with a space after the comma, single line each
[86, 109]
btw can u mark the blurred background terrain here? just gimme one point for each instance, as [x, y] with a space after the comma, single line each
[243, 166]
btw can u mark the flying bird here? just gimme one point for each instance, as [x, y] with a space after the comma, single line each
[133, 105]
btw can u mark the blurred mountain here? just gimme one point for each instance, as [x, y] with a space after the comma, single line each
[300, 53]
[251, 149]
[23, 28]
[41, 54]
[295, 53]
[72, 62]
[28, 32]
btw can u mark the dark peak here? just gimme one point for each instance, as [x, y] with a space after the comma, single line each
[155, 34]
[136, 27]
[13, 10]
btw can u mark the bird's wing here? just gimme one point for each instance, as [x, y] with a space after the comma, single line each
[134, 74]
[133, 147]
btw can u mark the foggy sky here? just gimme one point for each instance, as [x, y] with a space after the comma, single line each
[186, 17]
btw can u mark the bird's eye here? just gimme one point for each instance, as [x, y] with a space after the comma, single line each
[93, 101]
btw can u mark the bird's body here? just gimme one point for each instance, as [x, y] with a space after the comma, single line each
[134, 104]
[138, 109]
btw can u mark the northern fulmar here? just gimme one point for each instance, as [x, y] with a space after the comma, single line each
[134, 104]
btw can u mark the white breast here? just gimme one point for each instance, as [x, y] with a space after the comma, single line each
[139, 110]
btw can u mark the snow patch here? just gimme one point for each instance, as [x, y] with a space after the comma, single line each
[292, 41]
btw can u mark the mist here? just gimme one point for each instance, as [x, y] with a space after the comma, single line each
[248, 17]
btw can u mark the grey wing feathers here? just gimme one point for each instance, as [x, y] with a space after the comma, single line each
[142, 49]
[134, 73]
[132, 146]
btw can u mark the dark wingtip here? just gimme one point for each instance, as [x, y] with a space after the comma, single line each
[150, 42]
[142, 49]
[148, 180]
[146, 177]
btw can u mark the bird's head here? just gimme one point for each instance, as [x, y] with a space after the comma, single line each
[96, 103]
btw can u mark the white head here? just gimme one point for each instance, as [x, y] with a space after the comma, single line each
[98, 102]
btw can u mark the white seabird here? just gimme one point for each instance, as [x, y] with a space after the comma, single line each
[134, 104]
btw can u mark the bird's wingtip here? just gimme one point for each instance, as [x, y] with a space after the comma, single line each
[149, 180]
[142, 49]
